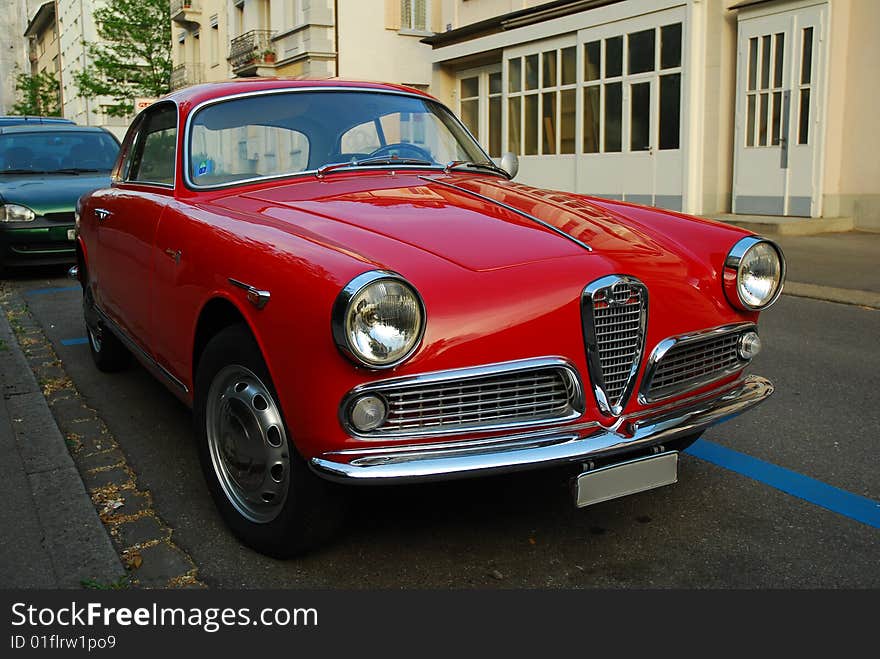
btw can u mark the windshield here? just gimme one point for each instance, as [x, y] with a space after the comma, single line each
[48, 151]
[255, 137]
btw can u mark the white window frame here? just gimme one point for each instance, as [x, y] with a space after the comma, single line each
[408, 26]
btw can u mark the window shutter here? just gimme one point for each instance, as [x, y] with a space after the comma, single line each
[420, 17]
[393, 10]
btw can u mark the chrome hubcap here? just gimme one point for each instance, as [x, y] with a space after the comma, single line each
[95, 339]
[248, 444]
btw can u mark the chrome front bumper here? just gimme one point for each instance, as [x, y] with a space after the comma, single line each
[572, 444]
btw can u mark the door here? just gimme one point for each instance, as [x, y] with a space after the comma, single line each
[632, 109]
[479, 106]
[778, 129]
[127, 223]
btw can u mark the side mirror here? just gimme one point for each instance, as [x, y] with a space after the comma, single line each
[510, 163]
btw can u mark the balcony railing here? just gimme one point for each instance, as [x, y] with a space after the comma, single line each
[185, 75]
[252, 48]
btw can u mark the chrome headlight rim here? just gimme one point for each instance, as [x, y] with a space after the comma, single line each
[340, 314]
[4, 217]
[732, 265]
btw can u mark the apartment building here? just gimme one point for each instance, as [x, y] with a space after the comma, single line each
[706, 106]
[43, 44]
[14, 53]
[76, 26]
[361, 39]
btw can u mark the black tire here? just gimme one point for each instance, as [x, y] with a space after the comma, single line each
[108, 352]
[309, 510]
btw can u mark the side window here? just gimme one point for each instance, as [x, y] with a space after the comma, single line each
[127, 150]
[153, 156]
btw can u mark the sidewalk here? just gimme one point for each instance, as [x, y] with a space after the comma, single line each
[52, 537]
[840, 267]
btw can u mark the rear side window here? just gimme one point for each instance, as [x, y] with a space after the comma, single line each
[153, 157]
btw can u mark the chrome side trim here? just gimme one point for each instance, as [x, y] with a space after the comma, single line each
[340, 308]
[667, 344]
[148, 360]
[513, 209]
[255, 296]
[591, 343]
[420, 463]
[730, 274]
[578, 404]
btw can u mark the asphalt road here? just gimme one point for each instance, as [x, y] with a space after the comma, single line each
[715, 528]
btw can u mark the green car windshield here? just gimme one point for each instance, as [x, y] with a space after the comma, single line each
[270, 135]
[47, 151]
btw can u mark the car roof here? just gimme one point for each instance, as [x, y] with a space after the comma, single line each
[55, 128]
[191, 96]
[15, 120]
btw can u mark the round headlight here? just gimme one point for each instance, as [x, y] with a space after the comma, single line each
[754, 272]
[16, 213]
[378, 319]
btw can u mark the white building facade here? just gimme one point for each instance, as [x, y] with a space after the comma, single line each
[702, 106]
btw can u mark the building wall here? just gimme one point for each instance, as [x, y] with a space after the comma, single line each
[200, 43]
[372, 45]
[13, 50]
[852, 165]
[457, 13]
[76, 25]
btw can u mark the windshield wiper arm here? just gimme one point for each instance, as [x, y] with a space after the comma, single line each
[74, 170]
[22, 171]
[490, 166]
[378, 160]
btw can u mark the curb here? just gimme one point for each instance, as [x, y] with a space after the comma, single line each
[144, 554]
[831, 294]
[73, 539]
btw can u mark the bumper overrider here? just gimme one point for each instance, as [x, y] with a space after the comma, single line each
[572, 444]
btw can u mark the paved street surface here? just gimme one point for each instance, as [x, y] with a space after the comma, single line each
[715, 528]
[843, 260]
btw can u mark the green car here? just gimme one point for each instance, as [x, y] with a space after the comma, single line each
[44, 169]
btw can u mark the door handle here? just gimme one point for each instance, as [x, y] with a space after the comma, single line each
[174, 255]
[102, 214]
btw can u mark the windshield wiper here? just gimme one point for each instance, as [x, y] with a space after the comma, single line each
[75, 170]
[490, 166]
[378, 160]
[23, 171]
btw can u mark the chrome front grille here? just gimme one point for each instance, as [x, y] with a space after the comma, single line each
[502, 395]
[615, 316]
[687, 362]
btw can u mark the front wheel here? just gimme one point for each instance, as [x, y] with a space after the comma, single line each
[262, 487]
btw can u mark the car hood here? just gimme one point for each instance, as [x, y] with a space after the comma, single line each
[49, 193]
[481, 222]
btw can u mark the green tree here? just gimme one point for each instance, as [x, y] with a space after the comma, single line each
[134, 57]
[38, 94]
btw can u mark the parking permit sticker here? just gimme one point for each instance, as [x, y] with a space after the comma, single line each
[205, 167]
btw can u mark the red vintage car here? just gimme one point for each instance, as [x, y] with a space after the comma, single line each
[347, 289]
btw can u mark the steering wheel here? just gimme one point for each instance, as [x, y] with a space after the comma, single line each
[402, 150]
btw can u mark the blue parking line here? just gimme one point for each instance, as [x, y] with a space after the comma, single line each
[75, 342]
[49, 291]
[859, 508]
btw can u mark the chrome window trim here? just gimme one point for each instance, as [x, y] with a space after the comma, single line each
[667, 344]
[730, 274]
[136, 138]
[310, 172]
[340, 308]
[576, 400]
[591, 345]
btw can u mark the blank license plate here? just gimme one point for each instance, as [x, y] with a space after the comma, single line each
[626, 478]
